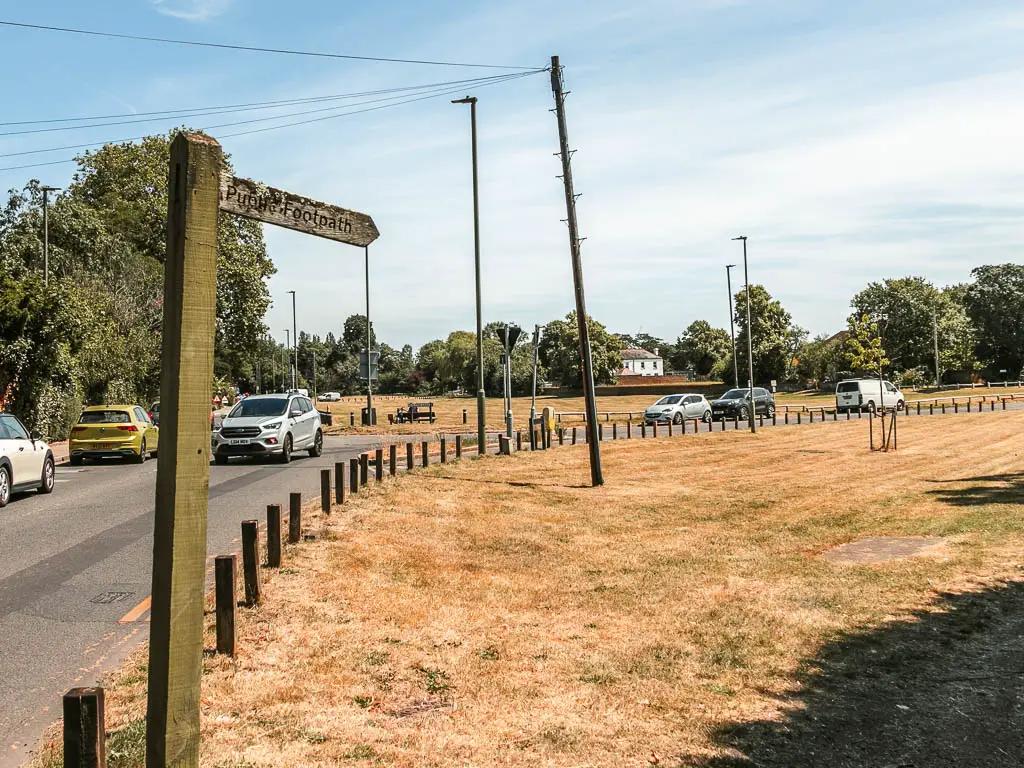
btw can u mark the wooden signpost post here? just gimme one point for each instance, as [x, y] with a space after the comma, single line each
[198, 187]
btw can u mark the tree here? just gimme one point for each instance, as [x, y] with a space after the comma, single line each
[902, 309]
[775, 339]
[995, 305]
[864, 350]
[700, 346]
[560, 352]
[821, 359]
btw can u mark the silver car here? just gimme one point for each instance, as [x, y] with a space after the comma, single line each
[677, 408]
[265, 425]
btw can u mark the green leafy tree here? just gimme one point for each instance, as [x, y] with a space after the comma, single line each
[700, 346]
[995, 304]
[775, 339]
[560, 352]
[864, 351]
[823, 359]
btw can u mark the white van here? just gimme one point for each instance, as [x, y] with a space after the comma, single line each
[329, 397]
[868, 394]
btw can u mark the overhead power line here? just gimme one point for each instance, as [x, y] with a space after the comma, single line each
[431, 95]
[207, 111]
[256, 49]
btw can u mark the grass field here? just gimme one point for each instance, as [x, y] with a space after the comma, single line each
[500, 612]
[449, 409]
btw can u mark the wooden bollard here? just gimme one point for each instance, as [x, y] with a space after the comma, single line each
[353, 475]
[519, 440]
[574, 435]
[409, 463]
[444, 450]
[723, 423]
[993, 404]
[458, 446]
[294, 517]
[225, 568]
[392, 459]
[670, 429]
[378, 460]
[943, 407]
[425, 455]
[629, 430]
[561, 435]
[504, 445]
[339, 482]
[85, 744]
[956, 407]
[919, 408]
[799, 417]
[351, 418]
[643, 429]
[847, 414]
[774, 422]
[1004, 403]
[251, 561]
[654, 429]
[463, 415]
[325, 491]
[600, 432]
[615, 431]
[785, 417]
[364, 468]
[274, 534]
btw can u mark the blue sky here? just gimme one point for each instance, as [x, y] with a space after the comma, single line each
[849, 141]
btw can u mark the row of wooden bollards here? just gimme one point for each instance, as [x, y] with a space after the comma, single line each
[84, 721]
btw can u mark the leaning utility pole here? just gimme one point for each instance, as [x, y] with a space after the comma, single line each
[589, 394]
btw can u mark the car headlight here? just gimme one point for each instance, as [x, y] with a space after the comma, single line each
[272, 427]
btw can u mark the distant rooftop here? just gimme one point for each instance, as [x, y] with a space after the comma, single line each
[639, 354]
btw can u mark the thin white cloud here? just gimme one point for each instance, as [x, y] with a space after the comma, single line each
[192, 10]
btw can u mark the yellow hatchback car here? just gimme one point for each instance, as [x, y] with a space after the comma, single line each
[118, 431]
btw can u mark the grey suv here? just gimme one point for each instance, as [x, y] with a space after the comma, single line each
[736, 403]
[265, 425]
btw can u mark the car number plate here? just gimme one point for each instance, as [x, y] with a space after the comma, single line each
[97, 446]
[239, 441]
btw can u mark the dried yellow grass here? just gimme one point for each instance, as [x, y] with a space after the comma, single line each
[500, 612]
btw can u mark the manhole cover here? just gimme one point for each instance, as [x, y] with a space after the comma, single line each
[110, 597]
[882, 549]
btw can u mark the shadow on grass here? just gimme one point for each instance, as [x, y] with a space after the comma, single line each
[944, 689]
[512, 483]
[1007, 488]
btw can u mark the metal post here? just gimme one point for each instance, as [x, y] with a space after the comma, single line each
[295, 345]
[589, 394]
[750, 336]
[369, 366]
[481, 413]
[507, 383]
[732, 327]
[935, 333]
[533, 396]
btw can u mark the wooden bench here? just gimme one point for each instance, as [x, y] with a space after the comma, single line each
[416, 412]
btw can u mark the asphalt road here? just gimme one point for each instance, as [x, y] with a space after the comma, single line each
[75, 572]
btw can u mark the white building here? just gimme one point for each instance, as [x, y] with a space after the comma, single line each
[640, 362]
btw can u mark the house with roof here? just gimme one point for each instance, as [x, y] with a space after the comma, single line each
[641, 362]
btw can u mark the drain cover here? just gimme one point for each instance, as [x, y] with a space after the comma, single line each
[105, 598]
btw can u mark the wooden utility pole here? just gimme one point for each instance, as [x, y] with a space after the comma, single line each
[589, 394]
[183, 470]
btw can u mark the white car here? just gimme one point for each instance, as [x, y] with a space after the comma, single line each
[868, 394]
[269, 425]
[677, 408]
[25, 463]
[329, 397]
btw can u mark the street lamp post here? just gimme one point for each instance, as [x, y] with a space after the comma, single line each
[369, 420]
[481, 415]
[732, 327]
[46, 232]
[750, 337]
[533, 396]
[295, 342]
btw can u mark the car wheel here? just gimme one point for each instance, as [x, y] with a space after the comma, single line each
[871, 406]
[142, 453]
[47, 480]
[770, 411]
[286, 449]
[677, 419]
[744, 413]
[5, 486]
[220, 459]
[706, 417]
[900, 405]
[318, 444]
[76, 461]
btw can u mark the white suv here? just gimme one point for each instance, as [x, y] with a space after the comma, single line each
[868, 394]
[25, 462]
[263, 425]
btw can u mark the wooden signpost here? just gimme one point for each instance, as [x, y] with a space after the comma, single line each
[198, 187]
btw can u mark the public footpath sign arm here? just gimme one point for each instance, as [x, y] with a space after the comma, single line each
[253, 200]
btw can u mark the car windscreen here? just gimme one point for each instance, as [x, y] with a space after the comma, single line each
[105, 417]
[735, 394]
[670, 400]
[250, 408]
[847, 386]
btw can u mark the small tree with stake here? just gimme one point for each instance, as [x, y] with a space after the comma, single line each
[865, 353]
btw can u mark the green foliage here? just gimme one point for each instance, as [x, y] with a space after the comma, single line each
[775, 338]
[864, 351]
[560, 352]
[700, 347]
[995, 305]
[821, 359]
